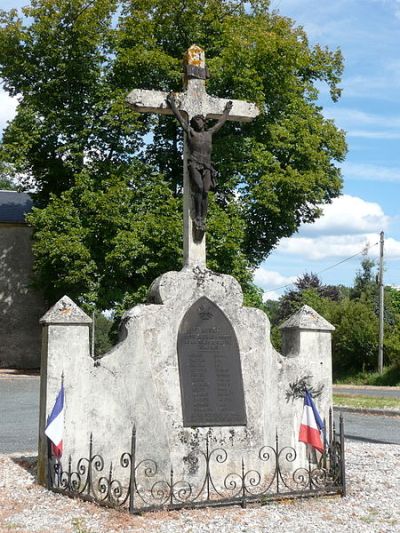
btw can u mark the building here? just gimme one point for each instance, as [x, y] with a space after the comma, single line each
[20, 305]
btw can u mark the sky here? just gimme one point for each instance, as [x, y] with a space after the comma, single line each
[368, 34]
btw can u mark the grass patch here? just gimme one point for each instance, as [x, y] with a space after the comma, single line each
[389, 378]
[365, 402]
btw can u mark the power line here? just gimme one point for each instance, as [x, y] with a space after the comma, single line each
[366, 248]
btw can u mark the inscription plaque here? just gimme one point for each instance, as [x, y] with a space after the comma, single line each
[209, 368]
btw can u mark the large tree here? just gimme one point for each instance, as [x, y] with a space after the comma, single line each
[108, 182]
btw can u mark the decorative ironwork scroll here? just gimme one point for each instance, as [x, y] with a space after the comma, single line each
[146, 489]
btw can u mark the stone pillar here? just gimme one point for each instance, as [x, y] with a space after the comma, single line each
[194, 250]
[307, 354]
[65, 356]
[306, 331]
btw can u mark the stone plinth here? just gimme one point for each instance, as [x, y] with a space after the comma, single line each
[65, 347]
[307, 349]
[302, 330]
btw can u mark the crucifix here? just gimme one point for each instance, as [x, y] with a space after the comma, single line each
[192, 107]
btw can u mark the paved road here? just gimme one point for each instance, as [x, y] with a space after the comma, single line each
[371, 428]
[19, 415]
[366, 391]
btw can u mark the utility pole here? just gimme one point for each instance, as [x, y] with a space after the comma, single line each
[381, 303]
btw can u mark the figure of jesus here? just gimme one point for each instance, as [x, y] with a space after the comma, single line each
[201, 170]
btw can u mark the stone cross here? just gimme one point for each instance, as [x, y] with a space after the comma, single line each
[194, 101]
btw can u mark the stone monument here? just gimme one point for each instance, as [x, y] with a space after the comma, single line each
[195, 370]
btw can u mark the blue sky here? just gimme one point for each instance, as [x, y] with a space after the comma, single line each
[368, 33]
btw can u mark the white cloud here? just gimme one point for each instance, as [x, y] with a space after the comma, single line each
[369, 172]
[392, 4]
[350, 117]
[338, 246]
[365, 134]
[347, 226]
[392, 248]
[7, 108]
[328, 246]
[364, 125]
[270, 281]
[367, 33]
[271, 295]
[348, 215]
[383, 85]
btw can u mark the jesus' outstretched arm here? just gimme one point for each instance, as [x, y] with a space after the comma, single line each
[172, 104]
[223, 119]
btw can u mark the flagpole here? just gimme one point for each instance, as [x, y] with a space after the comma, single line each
[49, 481]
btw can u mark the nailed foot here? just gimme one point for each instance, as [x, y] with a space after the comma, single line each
[200, 224]
[199, 228]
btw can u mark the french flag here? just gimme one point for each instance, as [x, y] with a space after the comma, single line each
[311, 424]
[55, 425]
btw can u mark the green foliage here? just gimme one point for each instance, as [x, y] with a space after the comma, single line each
[103, 244]
[365, 402]
[354, 313]
[108, 181]
[6, 184]
[390, 377]
[365, 286]
[102, 336]
[391, 343]
[308, 291]
[272, 309]
[393, 296]
[355, 340]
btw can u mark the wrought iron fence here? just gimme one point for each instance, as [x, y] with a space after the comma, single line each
[147, 490]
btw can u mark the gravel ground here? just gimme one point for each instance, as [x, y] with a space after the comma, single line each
[372, 505]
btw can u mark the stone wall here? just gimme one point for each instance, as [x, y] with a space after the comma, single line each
[20, 306]
[138, 382]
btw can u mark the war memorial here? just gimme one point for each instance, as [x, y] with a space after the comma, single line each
[193, 406]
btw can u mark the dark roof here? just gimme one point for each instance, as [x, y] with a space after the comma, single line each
[14, 206]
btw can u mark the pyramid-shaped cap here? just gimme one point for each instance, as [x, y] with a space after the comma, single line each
[307, 318]
[65, 311]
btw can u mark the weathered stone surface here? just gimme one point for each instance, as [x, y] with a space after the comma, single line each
[138, 381]
[172, 285]
[304, 331]
[307, 318]
[65, 311]
[146, 101]
[306, 347]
